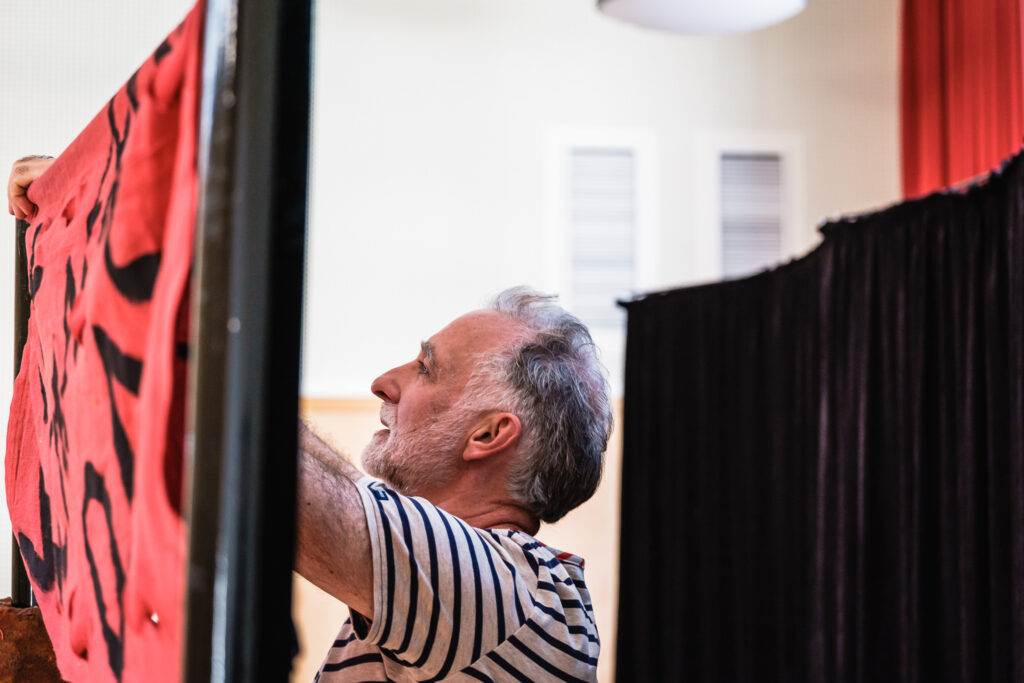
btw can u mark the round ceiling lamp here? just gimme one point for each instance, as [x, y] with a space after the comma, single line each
[702, 17]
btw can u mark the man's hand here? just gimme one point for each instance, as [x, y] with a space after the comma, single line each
[24, 171]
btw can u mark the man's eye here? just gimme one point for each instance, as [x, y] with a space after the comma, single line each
[423, 368]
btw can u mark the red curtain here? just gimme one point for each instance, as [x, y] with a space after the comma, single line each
[962, 96]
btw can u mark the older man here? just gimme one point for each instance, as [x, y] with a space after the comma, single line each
[498, 424]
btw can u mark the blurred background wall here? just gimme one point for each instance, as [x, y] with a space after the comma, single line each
[438, 171]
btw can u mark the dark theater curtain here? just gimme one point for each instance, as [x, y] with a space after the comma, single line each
[823, 465]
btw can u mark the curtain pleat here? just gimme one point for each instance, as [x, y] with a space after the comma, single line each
[961, 90]
[823, 473]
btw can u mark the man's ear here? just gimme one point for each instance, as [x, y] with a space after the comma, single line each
[492, 434]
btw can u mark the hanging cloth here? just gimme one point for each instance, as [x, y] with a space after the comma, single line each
[94, 441]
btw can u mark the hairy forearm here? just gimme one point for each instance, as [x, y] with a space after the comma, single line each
[333, 544]
[313, 445]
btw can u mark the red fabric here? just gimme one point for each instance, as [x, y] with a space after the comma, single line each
[962, 93]
[94, 445]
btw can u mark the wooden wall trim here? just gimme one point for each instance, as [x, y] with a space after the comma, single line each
[334, 404]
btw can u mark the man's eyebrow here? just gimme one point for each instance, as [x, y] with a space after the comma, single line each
[429, 356]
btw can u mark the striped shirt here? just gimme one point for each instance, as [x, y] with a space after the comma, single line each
[458, 603]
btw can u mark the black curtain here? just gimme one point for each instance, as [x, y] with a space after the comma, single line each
[823, 464]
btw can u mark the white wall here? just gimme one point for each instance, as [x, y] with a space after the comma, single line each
[430, 119]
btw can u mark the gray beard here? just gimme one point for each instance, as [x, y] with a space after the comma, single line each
[420, 460]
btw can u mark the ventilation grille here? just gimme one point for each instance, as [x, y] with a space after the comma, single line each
[602, 209]
[751, 212]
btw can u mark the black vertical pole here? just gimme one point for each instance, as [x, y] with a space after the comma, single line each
[254, 638]
[253, 167]
[21, 589]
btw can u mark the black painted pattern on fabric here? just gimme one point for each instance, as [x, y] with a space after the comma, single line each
[58, 425]
[69, 304]
[96, 490]
[127, 371]
[41, 566]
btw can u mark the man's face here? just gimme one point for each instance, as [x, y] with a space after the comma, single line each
[420, 451]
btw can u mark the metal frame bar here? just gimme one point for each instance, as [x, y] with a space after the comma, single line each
[254, 131]
[21, 588]
[208, 346]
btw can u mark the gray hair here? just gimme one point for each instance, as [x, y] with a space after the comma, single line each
[553, 381]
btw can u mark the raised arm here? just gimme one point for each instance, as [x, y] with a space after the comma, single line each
[24, 171]
[332, 540]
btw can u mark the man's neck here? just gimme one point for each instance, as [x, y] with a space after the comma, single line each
[508, 518]
[484, 512]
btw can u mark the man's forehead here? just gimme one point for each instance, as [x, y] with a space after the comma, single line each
[476, 332]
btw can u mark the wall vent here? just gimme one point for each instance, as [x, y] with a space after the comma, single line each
[602, 215]
[751, 186]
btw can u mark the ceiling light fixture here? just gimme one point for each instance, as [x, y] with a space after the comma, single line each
[702, 17]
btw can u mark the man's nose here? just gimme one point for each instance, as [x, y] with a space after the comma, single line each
[386, 387]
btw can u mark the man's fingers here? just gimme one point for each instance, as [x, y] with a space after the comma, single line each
[13, 189]
[20, 207]
[24, 171]
[23, 208]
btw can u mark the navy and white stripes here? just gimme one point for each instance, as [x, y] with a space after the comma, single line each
[452, 602]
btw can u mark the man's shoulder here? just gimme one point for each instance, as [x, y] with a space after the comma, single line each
[499, 599]
[535, 548]
[498, 537]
